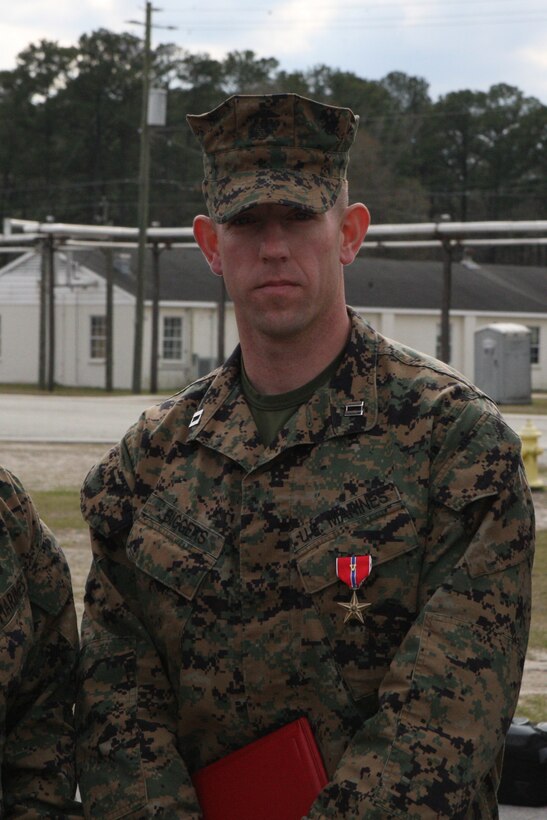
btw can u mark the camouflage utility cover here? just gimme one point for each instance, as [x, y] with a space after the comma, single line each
[212, 612]
[38, 654]
[278, 148]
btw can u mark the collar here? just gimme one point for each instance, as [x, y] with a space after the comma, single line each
[347, 405]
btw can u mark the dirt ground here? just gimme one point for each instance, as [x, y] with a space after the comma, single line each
[55, 466]
[51, 466]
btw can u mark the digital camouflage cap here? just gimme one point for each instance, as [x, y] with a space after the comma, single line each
[273, 148]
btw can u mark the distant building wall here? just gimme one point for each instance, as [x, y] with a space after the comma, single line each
[419, 330]
[188, 332]
[19, 348]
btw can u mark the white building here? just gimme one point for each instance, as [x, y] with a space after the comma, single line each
[400, 298]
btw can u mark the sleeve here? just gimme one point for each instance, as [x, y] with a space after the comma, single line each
[38, 773]
[447, 700]
[127, 757]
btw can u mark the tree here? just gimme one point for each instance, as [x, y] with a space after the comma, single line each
[409, 107]
[245, 73]
[512, 129]
[390, 198]
[102, 105]
[450, 153]
[482, 154]
[29, 110]
[69, 135]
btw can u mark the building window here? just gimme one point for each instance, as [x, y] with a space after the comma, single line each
[97, 337]
[534, 345]
[172, 338]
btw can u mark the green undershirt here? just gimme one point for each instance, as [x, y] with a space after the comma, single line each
[272, 412]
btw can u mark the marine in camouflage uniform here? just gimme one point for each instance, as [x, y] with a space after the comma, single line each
[212, 607]
[38, 654]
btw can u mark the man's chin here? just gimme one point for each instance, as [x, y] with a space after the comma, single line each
[281, 325]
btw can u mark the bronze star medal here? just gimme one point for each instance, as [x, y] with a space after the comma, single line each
[353, 571]
[354, 609]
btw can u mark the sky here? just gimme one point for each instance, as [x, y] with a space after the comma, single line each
[452, 44]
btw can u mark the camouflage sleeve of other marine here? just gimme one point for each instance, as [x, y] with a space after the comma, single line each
[38, 654]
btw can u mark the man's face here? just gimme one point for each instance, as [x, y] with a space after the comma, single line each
[283, 269]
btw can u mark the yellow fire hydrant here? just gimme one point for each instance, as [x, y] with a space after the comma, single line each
[530, 436]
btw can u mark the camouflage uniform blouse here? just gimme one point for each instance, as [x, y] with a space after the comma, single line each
[38, 653]
[212, 610]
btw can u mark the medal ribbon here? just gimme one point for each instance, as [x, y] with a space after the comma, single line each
[353, 570]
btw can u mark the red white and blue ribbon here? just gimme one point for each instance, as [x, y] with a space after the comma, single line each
[353, 570]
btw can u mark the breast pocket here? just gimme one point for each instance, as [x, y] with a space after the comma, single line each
[385, 531]
[173, 554]
[16, 630]
[13, 589]
[173, 547]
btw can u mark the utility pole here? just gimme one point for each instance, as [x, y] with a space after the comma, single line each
[144, 191]
[109, 370]
[44, 259]
[51, 312]
[155, 316]
[446, 299]
[144, 188]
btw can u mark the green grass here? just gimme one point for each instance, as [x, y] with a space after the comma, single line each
[537, 407]
[538, 630]
[60, 509]
[533, 707]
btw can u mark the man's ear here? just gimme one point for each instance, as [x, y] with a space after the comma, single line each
[205, 234]
[353, 226]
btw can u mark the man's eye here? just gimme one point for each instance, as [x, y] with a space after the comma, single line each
[301, 215]
[241, 219]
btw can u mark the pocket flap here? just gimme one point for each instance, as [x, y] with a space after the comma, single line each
[385, 535]
[172, 547]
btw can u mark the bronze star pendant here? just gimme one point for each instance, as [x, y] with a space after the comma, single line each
[354, 609]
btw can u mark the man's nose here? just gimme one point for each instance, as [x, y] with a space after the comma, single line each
[273, 241]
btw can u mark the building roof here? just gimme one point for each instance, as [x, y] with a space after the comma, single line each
[371, 281]
[377, 282]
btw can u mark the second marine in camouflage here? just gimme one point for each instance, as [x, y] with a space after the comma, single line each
[212, 607]
[38, 655]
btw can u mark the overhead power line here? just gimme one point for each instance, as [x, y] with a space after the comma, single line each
[367, 24]
[397, 5]
[391, 15]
